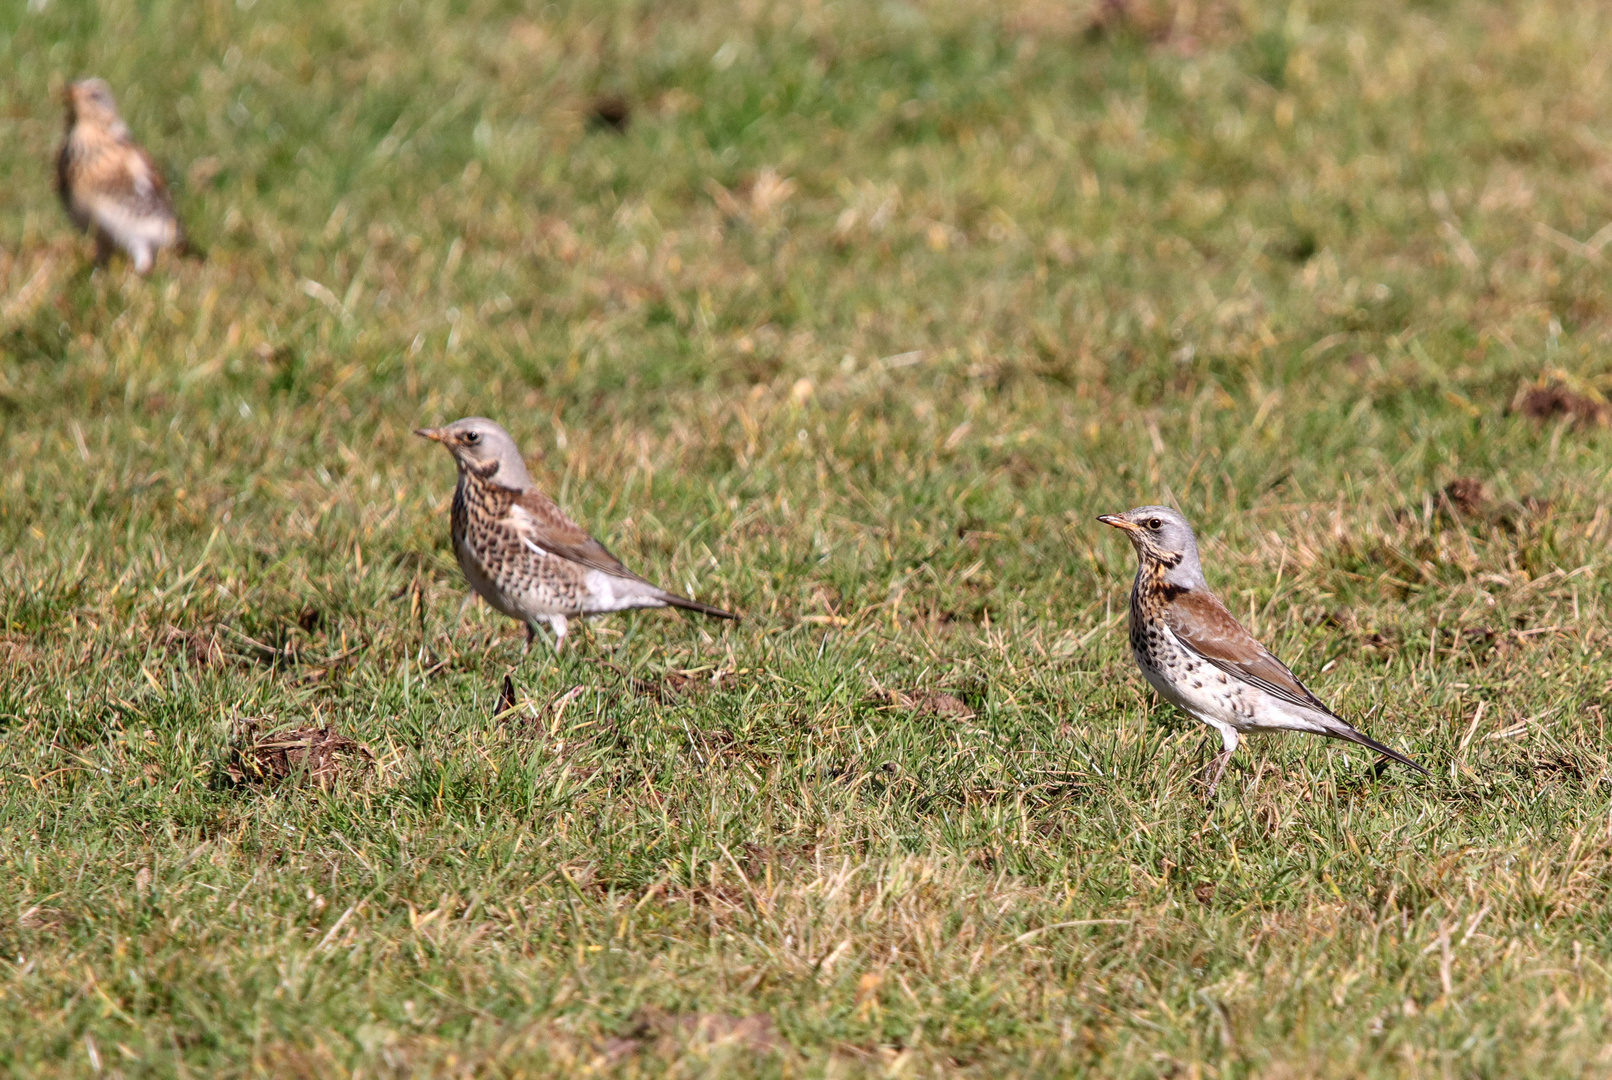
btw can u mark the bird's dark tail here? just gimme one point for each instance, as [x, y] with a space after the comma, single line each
[694, 605]
[1338, 729]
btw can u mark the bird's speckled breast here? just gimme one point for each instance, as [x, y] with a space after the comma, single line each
[1179, 675]
[509, 575]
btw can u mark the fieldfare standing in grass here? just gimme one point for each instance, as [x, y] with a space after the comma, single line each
[109, 184]
[1198, 657]
[521, 553]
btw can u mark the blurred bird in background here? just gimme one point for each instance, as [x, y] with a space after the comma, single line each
[109, 184]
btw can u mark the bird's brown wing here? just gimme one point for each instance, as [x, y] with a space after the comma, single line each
[135, 182]
[148, 181]
[543, 525]
[1201, 622]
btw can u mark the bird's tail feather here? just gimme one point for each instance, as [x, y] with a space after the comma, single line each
[694, 605]
[1340, 730]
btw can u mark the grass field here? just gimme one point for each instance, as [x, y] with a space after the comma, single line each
[854, 326]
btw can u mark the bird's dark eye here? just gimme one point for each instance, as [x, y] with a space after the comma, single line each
[1155, 524]
[472, 438]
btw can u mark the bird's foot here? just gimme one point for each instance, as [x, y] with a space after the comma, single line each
[1215, 770]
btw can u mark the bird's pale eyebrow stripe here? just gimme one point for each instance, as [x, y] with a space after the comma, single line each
[533, 546]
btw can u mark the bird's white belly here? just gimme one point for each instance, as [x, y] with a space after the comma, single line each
[1213, 696]
[129, 227]
[1222, 700]
[1201, 689]
[608, 593]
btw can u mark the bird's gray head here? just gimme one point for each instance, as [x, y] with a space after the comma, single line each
[1162, 536]
[483, 448]
[91, 100]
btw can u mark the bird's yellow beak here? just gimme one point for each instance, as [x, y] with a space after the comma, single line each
[1119, 522]
[434, 434]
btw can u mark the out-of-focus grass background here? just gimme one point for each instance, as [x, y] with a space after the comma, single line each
[864, 314]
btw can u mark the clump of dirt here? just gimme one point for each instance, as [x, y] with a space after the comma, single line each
[46, 919]
[1185, 27]
[698, 681]
[1562, 764]
[675, 683]
[1465, 495]
[201, 646]
[1383, 640]
[322, 755]
[1550, 400]
[610, 111]
[667, 1033]
[1466, 500]
[782, 855]
[939, 703]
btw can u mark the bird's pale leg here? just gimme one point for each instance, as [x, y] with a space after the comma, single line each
[557, 622]
[1228, 738]
[470, 598]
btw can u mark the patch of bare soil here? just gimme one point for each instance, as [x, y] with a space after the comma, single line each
[1551, 400]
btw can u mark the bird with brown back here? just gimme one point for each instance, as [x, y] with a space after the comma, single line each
[109, 184]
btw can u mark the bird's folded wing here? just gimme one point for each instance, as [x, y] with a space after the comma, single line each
[544, 528]
[148, 182]
[1202, 624]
